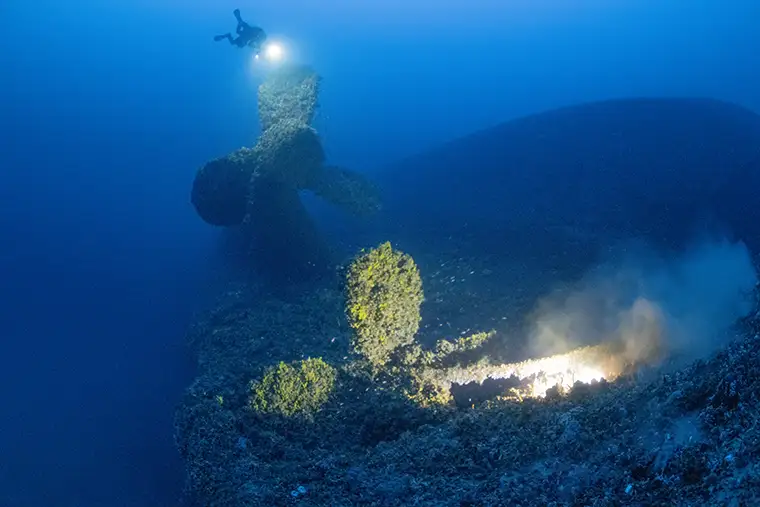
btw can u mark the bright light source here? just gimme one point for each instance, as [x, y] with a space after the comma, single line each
[274, 52]
[536, 376]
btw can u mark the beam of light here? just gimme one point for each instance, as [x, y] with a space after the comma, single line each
[536, 376]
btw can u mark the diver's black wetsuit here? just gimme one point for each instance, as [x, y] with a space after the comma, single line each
[247, 35]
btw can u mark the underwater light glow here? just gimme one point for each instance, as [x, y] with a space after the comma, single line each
[562, 371]
[586, 365]
[274, 52]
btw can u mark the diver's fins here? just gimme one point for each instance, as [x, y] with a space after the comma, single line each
[217, 38]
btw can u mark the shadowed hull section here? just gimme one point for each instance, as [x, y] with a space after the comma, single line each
[285, 245]
[661, 169]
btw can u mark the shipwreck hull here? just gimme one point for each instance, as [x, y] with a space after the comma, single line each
[659, 169]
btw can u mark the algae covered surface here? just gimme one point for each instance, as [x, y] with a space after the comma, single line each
[523, 360]
[666, 433]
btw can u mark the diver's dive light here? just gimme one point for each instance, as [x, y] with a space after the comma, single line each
[274, 52]
[271, 52]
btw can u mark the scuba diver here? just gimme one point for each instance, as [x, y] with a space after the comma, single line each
[247, 35]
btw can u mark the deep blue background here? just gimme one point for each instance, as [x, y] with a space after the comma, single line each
[107, 108]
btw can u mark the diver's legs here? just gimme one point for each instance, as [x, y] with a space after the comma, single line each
[225, 36]
[239, 42]
[242, 26]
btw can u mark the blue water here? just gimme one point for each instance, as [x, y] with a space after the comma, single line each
[108, 108]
